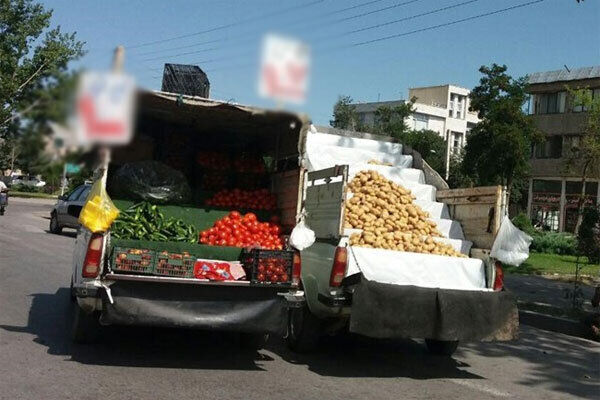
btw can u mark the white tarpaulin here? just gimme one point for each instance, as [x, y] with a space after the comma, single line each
[321, 157]
[423, 270]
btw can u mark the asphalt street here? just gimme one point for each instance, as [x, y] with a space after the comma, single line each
[38, 360]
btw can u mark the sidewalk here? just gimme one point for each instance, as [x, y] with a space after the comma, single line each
[543, 303]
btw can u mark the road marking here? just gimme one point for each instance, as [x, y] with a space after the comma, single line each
[474, 384]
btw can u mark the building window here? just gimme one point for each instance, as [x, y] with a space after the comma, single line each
[550, 103]
[545, 204]
[572, 194]
[421, 121]
[578, 106]
[551, 148]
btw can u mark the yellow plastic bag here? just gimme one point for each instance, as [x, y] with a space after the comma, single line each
[98, 212]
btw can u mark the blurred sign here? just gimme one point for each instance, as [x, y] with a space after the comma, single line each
[104, 108]
[284, 69]
[72, 168]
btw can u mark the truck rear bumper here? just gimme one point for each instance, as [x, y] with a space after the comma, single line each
[391, 311]
[224, 308]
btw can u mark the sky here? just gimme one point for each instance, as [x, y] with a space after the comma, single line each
[225, 38]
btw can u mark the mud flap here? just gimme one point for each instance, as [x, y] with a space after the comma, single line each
[391, 311]
[222, 308]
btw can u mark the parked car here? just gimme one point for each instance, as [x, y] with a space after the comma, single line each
[30, 181]
[65, 213]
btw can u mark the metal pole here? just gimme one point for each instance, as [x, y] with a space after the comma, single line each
[64, 180]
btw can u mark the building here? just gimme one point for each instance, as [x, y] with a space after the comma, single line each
[553, 190]
[443, 109]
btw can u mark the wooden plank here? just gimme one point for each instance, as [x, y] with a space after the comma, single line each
[466, 192]
[338, 170]
[491, 200]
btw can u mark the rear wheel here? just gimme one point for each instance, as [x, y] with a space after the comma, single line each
[54, 226]
[86, 327]
[304, 330]
[441, 347]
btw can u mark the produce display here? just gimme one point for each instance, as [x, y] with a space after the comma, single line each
[133, 260]
[243, 231]
[259, 199]
[214, 180]
[272, 270]
[144, 221]
[213, 160]
[174, 264]
[388, 218]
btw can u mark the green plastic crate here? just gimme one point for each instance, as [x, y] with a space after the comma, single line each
[133, 260]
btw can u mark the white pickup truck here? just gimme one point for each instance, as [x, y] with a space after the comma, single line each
[385, 293]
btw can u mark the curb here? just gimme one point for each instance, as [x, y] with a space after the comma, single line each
[547, 322]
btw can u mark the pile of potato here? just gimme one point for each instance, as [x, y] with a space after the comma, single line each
[385, 212]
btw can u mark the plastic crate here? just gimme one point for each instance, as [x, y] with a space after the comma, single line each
[127, 260]
[179, 265]
[262, 265]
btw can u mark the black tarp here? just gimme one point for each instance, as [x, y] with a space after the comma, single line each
[210, 307]
[391, 311]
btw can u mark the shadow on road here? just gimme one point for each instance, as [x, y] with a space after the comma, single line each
[563, 363]
[69, 233]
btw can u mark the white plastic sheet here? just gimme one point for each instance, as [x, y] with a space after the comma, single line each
[511, 245]
[416, 269]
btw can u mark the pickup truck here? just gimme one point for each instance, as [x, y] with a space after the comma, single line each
[185, 133]
[393, 294]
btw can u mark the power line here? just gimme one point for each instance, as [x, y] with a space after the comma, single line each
[230, 25]
[380, 39]
[301, 21]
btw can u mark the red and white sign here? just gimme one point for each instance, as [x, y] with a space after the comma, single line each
[285, 69]
[104, 108]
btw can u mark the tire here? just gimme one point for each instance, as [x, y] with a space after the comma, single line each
[441, 347]
[86, 327]
[253, 341]
[54, 226]
[304, 330]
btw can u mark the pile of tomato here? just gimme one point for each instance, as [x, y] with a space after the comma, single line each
[248, 164]
[259, 199]
[272, 270]
[243, 231]
[213, 160]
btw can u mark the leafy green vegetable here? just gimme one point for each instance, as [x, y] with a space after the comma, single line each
[144, 221]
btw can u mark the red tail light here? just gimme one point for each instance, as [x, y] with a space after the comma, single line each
[91, 264]
[296, 269]
[338, 270]
[499, 280]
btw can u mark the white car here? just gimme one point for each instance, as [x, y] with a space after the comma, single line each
[27, 181]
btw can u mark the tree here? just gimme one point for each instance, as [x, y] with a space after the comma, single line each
[499, 146]
[344, 114]
[34, 62]
[430, 145]
[392, 120]
[584, 158]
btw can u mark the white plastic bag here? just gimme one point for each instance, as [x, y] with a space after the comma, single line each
[511, 245]
[302, 236]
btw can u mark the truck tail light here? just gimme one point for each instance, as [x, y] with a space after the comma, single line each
[91, 264]
[296, 269]
[338, 270]
[499, 280]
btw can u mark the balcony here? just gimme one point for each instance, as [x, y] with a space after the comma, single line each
[560, 124]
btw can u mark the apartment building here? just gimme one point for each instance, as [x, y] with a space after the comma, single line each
[553, 189]
[443, 109]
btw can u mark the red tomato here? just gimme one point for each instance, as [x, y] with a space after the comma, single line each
[273, 278]
[250, 216]
[261, 277]
[261, 268]
[235, 215]
[275, 230]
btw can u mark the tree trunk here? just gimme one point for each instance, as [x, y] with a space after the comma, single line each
[581, 201]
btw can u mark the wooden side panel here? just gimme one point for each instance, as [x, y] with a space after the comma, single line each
[287, 187]
[479, 211]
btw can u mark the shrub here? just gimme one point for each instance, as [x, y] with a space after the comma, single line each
[523, 222]
[554, 243]
[24, 188]
[589, 234]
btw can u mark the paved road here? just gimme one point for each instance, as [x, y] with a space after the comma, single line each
[37, 360]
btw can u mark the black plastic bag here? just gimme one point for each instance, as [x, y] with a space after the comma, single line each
[150, 181]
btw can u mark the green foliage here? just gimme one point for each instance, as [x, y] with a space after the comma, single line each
[345, 115]
[523, 222]
[554, 243]
[457, 177]
[392, 120]
[589, 233]
[25, 189]
[429, 144]
[498, 147]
